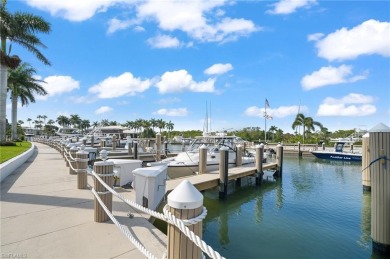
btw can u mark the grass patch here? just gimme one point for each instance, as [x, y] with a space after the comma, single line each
[9, 152]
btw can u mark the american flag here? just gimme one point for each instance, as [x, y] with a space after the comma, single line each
[266, 103]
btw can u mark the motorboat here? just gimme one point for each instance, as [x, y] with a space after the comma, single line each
[68, 132]
[186, 163]
[338, 152]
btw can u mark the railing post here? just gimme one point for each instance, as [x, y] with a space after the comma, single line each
[105, 170]
[259, 163]
[72, 159]
[279, 159]
[114, 142]
[223, 171]
[202, 159]
[135, 149]
[366, 176]
[158, 146]
[82, 165]
[379, 139]
[239, 155]
[184, 202]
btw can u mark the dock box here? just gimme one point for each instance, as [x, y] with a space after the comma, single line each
[124, 168]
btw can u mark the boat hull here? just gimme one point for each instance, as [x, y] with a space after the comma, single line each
[338, 156]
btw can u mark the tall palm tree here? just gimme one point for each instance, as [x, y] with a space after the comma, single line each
[29, 121]
[75, 120]
[63, 120]
[306, 122]
[22, 86]
[20, 28]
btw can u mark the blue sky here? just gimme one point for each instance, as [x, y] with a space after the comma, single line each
[123, 60]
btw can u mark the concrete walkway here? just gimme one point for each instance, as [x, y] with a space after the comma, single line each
[44, 215]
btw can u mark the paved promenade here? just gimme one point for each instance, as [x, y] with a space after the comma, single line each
[44, 215]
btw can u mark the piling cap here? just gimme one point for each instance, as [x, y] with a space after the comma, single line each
[185, 196]
[380, 128]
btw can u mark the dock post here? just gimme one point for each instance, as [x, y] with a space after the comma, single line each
[366, 176]
[351, 148]
[184, 202]
[135, 144]
[114, 142]
[299, 150]
[158, 146]
[223, 171]
[105, 170]
[323, 146]
[166, 148]
[279, 159]
[92, 141]
[379, 140]
[102, 143]
[239, 155]
[82, 165]
[259, 163]
[84, 141]
[202, 159]
[72, 161]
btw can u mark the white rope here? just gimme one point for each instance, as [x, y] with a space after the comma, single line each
[123, 228]
[168, 217]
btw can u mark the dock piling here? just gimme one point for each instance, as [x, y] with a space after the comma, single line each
[184, 202]
[379, 141]
[72, 156]
[223, 171]
[158, 146]
[82, 165]
[202, 159]
[259, 163]
[366, 175]
[279, 159]
[105, 170]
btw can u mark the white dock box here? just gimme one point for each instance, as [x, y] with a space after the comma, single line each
[124, 168]
[149, 185]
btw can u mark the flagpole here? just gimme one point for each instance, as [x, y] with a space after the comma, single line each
[265, 121]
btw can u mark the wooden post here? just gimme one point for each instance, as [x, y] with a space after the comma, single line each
[239, 155]
[379, 140]
[259, 163]
[92, 141]
[366, 176]
[223, 171]
[323, 146]
[279, 159]
[184, 202]
[299, 149]
[129, 146]
[102, 143]
[103, 168]
[202, 159]
[135, 150]
[72, 157]
[158, 146]
[82, 165]
[166, 148]
[114, 142]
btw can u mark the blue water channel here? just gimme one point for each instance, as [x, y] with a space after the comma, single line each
[317, 209]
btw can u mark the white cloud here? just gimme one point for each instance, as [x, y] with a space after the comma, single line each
[349, 105]
[168, 100]
[370, 37]
[280, 112]
[73, 10]
[180, 80]
[290, 6]
[163, 41]
[125, 84]
[192, 18]
[116, 25]
[330, 76]
[172, 112]
[103, 109]
[56, 85]
[218, 69]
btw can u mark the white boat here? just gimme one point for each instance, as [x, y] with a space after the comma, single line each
[68, 132]
[338, 153]
[187, 162]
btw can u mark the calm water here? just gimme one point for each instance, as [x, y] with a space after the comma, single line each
[317, 210]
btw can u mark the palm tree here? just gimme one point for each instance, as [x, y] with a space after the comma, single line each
[29, 121]
[22, 86]
[306, 122]
[75, 120]
[63, 120]
[273, 129]
[169, 126]
[20, 28]
[161, 124]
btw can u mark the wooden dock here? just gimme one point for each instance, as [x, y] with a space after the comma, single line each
[211, 179]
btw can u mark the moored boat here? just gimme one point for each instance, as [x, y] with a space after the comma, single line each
[338, 153]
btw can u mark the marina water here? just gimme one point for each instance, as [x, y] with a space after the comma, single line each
[316, 210]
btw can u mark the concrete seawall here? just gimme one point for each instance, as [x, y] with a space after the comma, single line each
[11, 165]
